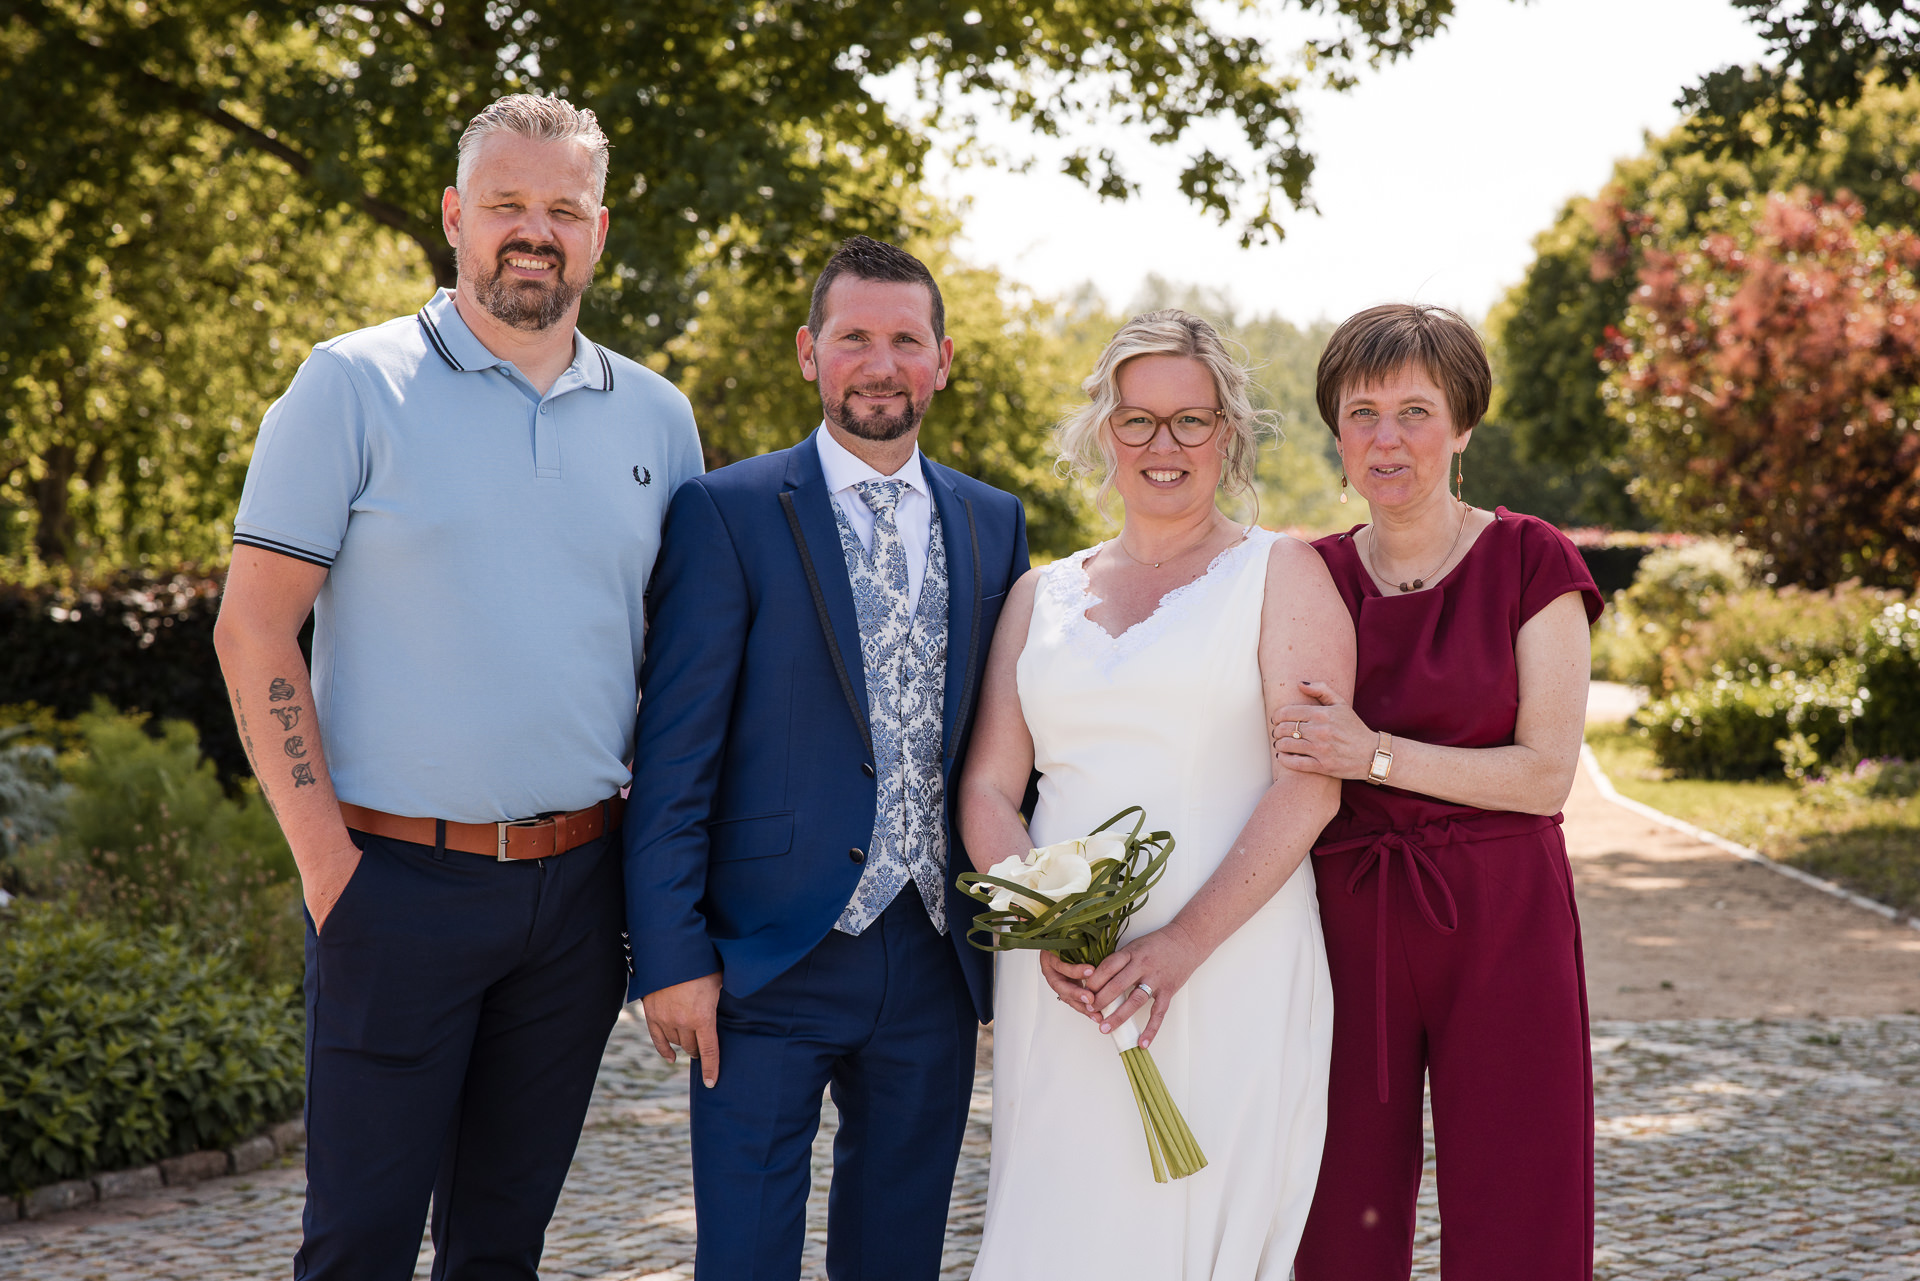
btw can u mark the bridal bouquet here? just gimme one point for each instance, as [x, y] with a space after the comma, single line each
[1074, 898]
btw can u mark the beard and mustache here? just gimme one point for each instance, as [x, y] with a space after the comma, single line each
[529, 305]
[883, 427]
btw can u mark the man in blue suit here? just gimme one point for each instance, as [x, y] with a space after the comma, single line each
[820, 621]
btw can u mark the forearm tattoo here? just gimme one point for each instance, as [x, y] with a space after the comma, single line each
[246, 738]
[281, 690]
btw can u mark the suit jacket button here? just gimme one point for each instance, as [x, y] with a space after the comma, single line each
[867, 769]
[857, 854]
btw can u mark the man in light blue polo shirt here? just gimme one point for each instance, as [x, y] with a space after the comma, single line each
[469, 500]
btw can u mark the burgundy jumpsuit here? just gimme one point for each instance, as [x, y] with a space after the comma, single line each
[1454, 946]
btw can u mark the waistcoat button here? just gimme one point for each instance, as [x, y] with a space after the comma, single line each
[866, 769]
[857, 854]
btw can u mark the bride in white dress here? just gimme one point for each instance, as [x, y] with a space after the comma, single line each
[1141, 672]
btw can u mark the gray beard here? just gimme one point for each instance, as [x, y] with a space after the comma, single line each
[527, 305]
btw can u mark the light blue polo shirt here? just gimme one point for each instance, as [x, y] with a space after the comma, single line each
[476, 649]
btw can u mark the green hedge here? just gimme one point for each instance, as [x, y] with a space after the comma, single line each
[1890, 675]
[1733, 725]
[118, 1050]
[138, 640]
[1749, 720]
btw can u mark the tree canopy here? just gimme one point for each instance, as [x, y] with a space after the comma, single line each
[1549, 330]
[1768, 379]
[1821, 55]
[749, 135]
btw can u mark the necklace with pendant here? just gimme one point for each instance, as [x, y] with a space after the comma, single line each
[1421, 581]
[1118, 542]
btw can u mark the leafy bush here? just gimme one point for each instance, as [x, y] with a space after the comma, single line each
[1890, 674]
[118, 1050]
[1790, 628]
[1672, 590]
[1856, 696]
[1894, 778]
[1752, 722]
[138, 640]
[150, 838]
[31, 794]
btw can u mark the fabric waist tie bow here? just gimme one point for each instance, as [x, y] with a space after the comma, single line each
[1414, 847]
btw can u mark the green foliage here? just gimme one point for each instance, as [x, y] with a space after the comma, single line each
[1550, 329]
[139, 640]
[1672, 590]
[1890, 675]
[1765, 377]
[1859, 827]
[1808, 683]
[151, 839]
[1822, 54]
[120, 1048]
[162, 291]
[737, 364]
[31, 794]
[1788, 629]
[197, 193]
[1739, 723]
[1893, 778]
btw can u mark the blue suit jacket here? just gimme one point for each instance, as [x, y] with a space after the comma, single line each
[752, 775]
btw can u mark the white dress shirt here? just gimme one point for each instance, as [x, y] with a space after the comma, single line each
[913, 517]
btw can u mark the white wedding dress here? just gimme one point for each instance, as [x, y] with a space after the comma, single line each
[1169, 716]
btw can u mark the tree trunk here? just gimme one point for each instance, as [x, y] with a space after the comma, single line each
[53, 536]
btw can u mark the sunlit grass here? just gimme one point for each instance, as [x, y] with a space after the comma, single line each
[1870, 844]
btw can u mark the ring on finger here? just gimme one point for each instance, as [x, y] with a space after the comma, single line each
[1296, 729]
[1142, 987]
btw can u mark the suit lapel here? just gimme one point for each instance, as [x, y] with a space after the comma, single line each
[963, 596]
[810, 517]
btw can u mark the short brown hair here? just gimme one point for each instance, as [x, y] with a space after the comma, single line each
[864, 258]
[1370, 346]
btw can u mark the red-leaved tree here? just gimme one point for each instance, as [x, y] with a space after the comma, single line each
[1768, 375]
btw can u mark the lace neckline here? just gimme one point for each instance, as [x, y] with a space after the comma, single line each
[1073, 589]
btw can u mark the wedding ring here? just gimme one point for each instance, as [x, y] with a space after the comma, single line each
[1296, 729]
[1142, 987]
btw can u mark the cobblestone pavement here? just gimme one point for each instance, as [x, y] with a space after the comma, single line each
[1787, 1149]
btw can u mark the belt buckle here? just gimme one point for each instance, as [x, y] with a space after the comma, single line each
[505, 824]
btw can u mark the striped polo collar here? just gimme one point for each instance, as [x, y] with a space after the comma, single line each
[464, 353]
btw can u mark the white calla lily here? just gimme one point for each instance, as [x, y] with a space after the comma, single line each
[1060, 872]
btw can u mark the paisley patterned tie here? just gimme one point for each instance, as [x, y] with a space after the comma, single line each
[909, 832]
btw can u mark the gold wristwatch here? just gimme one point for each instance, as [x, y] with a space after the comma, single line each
[1382, 759]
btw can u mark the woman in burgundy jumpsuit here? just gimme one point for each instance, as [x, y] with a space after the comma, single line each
[1445, 893]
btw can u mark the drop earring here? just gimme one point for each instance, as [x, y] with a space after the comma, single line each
[1343, 488]
[1459, 474]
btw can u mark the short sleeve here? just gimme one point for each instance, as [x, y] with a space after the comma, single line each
[1552, 566]
[309, 465]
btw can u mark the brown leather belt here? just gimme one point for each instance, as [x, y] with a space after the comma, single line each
[519, 838]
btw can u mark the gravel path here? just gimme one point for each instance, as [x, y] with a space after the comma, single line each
[1740, 1133]
[1726, 1148]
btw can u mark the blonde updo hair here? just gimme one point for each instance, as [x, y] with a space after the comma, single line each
[1083, 442]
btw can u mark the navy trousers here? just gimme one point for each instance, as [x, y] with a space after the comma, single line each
[457, 1011]
[883, 1020]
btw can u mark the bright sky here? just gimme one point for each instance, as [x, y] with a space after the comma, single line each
[1434, 174]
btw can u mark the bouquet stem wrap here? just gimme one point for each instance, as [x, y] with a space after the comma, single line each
[1082, 923]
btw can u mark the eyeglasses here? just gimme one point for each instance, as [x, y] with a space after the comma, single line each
[1190, 427]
